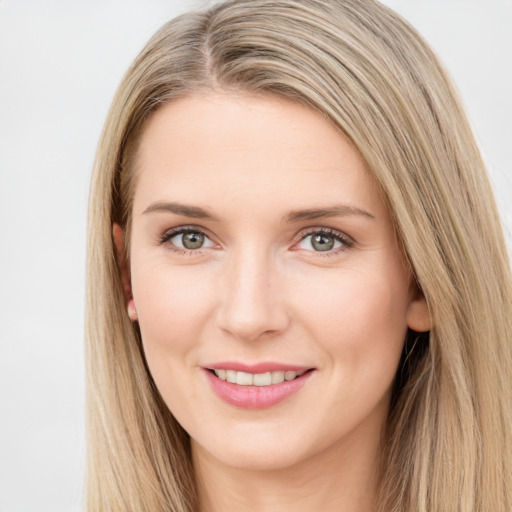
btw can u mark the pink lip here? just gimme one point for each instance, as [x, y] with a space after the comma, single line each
[255, 397]
[256, 368]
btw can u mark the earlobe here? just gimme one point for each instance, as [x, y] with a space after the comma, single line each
[418, 315]
[118, 236]
[132, 312]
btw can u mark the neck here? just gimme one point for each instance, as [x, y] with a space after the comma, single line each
[342, 478]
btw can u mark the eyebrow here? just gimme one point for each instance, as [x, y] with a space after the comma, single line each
[294, 216]
[180, 209]
[320, 213]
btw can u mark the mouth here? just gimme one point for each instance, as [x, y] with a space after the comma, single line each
[257, 379]
[263, 387]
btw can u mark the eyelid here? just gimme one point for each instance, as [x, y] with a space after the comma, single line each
[347, 241]
[166, 236]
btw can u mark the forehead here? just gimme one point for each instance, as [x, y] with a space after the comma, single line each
[216, 147]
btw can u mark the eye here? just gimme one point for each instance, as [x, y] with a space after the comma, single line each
[324, 240]
[188, 239]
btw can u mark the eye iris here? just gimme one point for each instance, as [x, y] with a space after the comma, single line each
[193, 240]
[322, 242]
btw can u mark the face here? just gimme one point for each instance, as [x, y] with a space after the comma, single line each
[271, 295]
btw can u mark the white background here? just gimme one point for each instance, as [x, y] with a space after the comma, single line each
[60, 62]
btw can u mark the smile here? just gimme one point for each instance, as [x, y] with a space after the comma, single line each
[256, 389]
[257, 379]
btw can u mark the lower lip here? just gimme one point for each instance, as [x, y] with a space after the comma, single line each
[256, 397]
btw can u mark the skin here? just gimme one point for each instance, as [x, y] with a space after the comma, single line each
[258, 290]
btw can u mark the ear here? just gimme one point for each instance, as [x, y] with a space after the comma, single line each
[418, 315]
[118, 235]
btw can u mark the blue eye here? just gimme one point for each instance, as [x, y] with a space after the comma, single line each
[324, 241]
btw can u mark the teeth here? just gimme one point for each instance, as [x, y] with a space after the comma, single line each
[256, 379]
[277, 377]
[221, 374]
[262, 379]
[244, 379]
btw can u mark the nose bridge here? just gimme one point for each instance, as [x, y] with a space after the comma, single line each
[251, 304]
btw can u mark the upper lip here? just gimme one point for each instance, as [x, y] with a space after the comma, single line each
[262, 367]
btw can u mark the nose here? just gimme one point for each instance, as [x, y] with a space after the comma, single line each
[252, 304]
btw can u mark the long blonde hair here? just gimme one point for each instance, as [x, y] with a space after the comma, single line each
[362, 67]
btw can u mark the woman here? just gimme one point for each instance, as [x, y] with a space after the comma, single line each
[299, 293]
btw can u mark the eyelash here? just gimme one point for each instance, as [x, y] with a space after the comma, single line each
[171, 233]
[346, 241]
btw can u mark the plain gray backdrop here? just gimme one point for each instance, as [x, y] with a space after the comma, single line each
[60, 63]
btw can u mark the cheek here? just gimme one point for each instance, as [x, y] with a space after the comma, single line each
[172, 306]
[357, 316]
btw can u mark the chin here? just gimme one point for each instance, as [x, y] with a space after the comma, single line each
[259, 449]
[256, 458]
